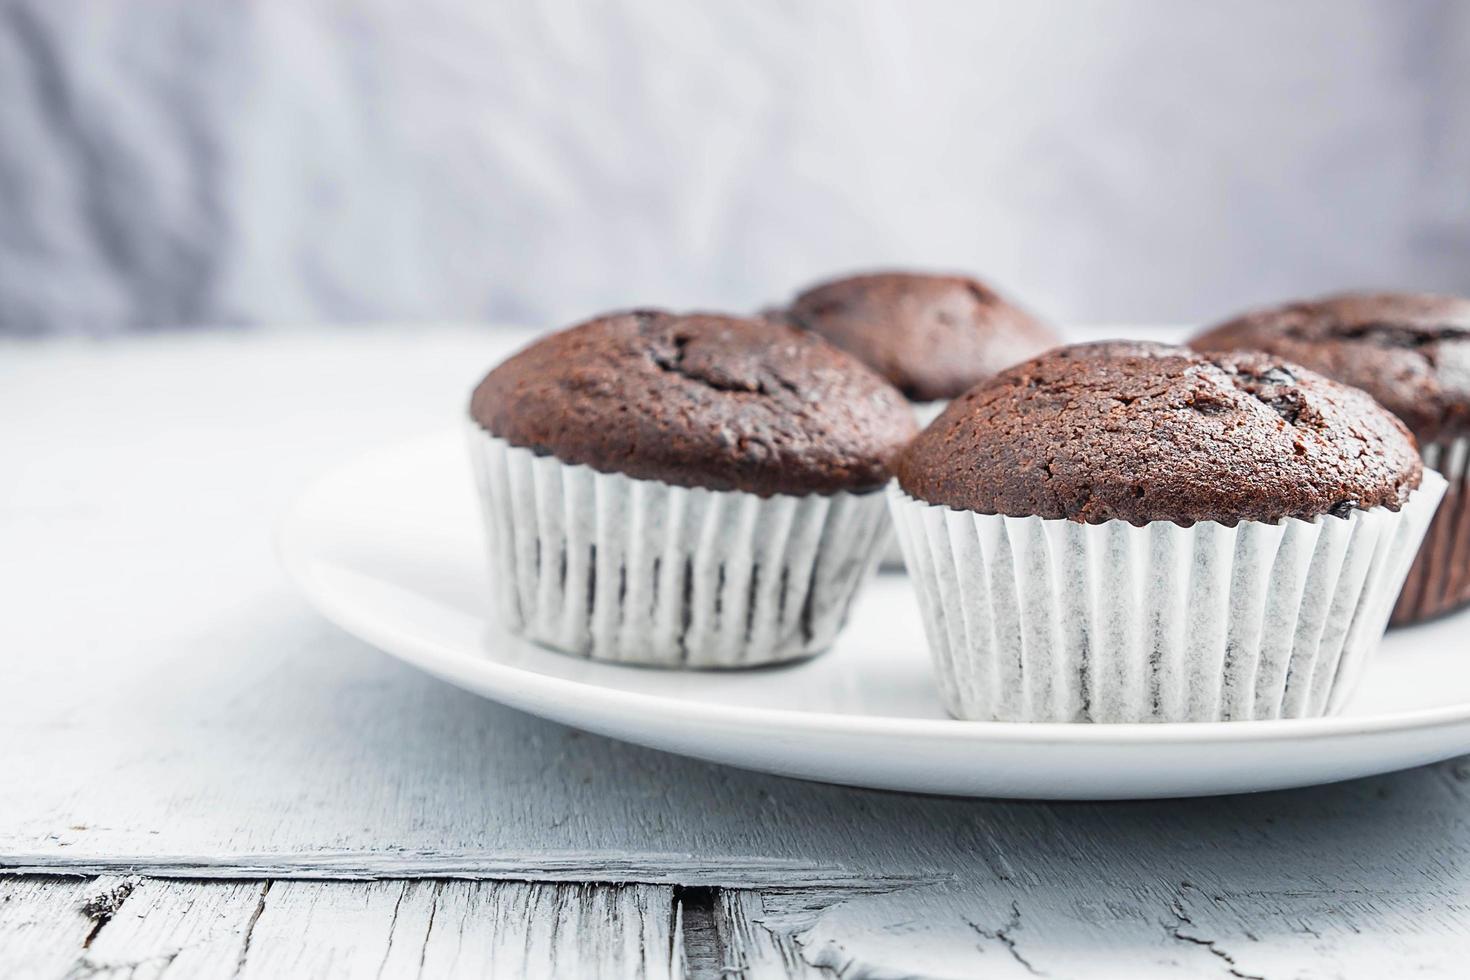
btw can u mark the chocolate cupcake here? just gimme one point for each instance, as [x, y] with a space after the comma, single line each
[1412, 353]
[694, 490]
[933, 337]
[1133, 532]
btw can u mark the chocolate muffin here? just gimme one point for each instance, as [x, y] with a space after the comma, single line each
[700, 400]
[932, 336]
[1147, 432]
[683, 490]
[1412, 353]
[1128, 532]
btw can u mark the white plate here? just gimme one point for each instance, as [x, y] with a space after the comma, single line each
[390, 548]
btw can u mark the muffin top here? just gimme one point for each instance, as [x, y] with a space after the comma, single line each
[1410, 351]
[934, 337]
[699, 400]
[1144, 432]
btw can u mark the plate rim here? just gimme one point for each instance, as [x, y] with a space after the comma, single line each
[431, 655]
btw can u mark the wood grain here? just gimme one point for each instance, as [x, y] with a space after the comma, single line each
[149, 928]
[43, 925]
[760, 935]
[174, 929]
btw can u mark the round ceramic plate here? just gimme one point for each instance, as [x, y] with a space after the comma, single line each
[390, 548]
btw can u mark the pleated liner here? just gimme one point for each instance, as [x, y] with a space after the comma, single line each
[1051, 620]
[1439, 580]
[637, 571]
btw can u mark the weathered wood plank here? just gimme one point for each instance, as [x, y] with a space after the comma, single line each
[321, 929]
[174, 929]
[1235, 912]
[160, 929]
[759, 936]
[127, 928]
[521, 929]
[45, 923]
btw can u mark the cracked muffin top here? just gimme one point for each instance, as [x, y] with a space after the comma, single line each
[1410, 351]
[699, 400]
[933, 337]
[1144, 432]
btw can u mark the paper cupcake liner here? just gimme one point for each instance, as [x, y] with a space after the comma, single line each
[925, 412]
[609, 567]
[1439, 580]
[1051, 620]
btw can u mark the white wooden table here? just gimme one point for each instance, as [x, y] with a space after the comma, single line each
[200, 777]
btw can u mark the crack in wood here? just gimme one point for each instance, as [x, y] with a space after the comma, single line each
[565, 905]
[688, 930]
[250, 928]
[701, 941]
[84, 967]
[101, 907]
[429, 929]
[1005, 936]
[393, 931]
[1176, 931]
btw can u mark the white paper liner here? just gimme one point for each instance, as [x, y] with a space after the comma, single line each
[925, 412]
[1052, 620]
[609, 567]
[1439, 580]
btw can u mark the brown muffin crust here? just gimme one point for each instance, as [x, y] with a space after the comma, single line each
[1144, 432]
[933, 336]
[1410, 351]
[699, 400]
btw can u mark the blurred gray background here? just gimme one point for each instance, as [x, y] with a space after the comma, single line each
[186, 162]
